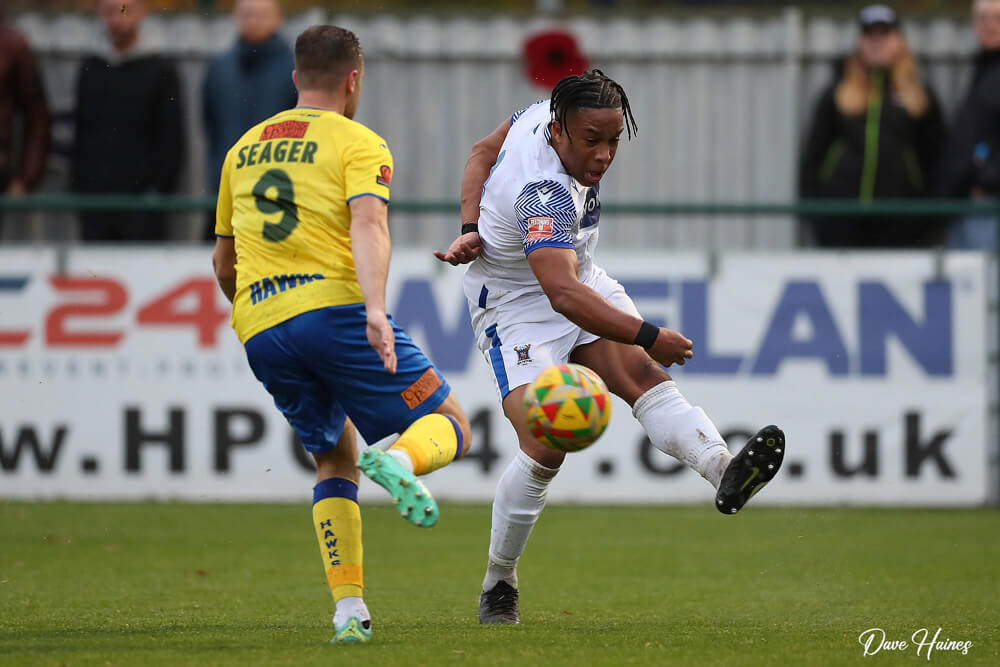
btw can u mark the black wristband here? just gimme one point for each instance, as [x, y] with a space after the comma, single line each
[470, 227]
[647, 335]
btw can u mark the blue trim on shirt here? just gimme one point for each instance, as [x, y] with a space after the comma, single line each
[224, 236]
[482, 297]
[517, 114]
[367, 194]
[547, 244]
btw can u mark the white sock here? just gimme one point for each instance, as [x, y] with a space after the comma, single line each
[519, 499]
[402, 457]
[496, 573]
[716, 467]
[351, 606]
[685, 432]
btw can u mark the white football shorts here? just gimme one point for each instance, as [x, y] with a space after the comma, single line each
[521, 338]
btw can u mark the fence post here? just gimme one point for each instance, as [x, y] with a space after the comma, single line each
[994, 408]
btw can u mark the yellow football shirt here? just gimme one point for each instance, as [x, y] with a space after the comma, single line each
[284, 197]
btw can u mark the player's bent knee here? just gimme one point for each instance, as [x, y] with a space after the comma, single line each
[641, 375]
[627, 370]
[466, 429]
[451, 408]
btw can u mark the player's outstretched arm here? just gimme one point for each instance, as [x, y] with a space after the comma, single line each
[224, 263]
[484, 155]
[556, 270]
[371, 248]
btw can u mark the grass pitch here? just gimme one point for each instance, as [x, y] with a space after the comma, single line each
[179, 584]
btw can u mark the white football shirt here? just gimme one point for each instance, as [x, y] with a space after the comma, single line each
[529, 202]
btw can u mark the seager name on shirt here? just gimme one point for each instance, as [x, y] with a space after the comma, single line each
[267, 152]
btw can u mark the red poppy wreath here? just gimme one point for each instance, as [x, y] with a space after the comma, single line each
[551, 55]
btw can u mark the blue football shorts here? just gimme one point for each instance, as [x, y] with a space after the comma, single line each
[318, 366]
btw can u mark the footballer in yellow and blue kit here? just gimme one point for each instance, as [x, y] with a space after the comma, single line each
[298, 309]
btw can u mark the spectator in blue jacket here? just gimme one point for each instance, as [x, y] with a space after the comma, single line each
[971, 164]
[245, 84]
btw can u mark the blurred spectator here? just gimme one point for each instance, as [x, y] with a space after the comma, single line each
[971, 164]
[129, 131]
[876, 134]
[22, 106]
[248, 83]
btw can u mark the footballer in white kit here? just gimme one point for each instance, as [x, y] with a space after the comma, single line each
[531, 211]
[529, 202]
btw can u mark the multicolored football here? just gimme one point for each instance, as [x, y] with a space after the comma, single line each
[567, 407]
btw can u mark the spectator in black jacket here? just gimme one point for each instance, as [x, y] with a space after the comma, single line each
[971, 164]
[129, 132]
[876, 134]
[25, 125]
[22, 107]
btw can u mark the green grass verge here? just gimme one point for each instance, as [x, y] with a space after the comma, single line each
[171, 584]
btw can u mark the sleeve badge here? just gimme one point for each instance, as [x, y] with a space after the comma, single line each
[385, 175]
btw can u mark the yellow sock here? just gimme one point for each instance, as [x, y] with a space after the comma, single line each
[432, 442]
[337, 519]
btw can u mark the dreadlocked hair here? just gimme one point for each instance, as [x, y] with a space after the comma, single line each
[591, 90]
